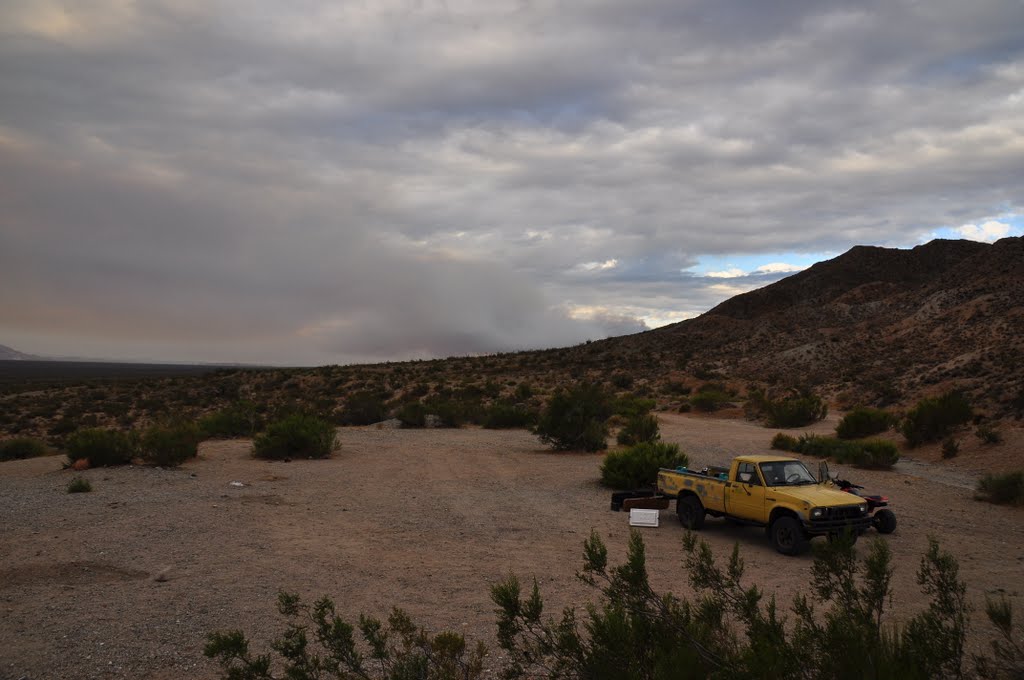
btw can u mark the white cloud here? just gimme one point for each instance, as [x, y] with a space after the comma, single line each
[598, 266]
[988, 232]
[779, 268]
[732, 273]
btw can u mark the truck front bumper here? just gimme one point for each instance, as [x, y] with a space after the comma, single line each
[826, 526]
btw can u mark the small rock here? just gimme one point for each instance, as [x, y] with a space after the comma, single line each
[163, 575]
[237, 484]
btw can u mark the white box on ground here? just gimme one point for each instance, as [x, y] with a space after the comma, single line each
[643, 518]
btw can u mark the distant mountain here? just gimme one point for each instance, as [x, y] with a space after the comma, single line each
[880, 324]
[9, 354]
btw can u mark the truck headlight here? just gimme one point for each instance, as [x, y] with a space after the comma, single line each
[863, 508]
[817, 512]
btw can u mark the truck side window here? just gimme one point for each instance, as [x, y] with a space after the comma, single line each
[747, 474]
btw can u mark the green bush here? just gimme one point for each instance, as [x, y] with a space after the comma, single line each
[988, 434]
[638, 465]
[708, 401]
[296, 436]
[863, 422]
[79, 485]
[639, 428]
[934, 418]
[1003, 489]
[456, 411]
[576, 420]
[878, 454]
[20, 448]
[863, 453]
[502, 416]
[170, 444]
[238, 420]
[101, 447]
[631, 405]
[784, 442]
[364, 408]
[412, 414]
[797, 410]
[318, 644]
[622, 381]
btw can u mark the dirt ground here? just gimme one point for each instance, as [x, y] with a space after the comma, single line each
[126, 581]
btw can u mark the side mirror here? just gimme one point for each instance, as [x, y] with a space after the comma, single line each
[823, 474]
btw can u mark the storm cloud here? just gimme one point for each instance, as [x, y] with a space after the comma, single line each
[333, 182]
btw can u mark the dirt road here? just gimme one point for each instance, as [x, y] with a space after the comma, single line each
[422, 519]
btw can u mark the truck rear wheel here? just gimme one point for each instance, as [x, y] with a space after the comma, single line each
[788, 536]
[884, 521]
[691, 512]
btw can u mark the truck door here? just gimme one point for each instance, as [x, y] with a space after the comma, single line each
[745, 495]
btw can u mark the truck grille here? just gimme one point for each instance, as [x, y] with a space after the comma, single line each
[835, 519]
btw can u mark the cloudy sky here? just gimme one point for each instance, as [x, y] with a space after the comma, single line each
[331, 182]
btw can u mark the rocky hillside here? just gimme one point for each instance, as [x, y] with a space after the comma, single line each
[874, 324]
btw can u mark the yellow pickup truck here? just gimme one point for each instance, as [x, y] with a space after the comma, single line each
[776, 492]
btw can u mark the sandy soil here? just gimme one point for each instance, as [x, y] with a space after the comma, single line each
[422, 519]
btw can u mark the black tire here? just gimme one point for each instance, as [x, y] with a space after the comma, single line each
[884, 521]
[788, 536]
[691, 512]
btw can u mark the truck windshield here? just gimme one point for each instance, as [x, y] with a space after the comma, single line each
[786, 473]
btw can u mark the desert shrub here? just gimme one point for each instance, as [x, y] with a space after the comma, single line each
[797, 410]
[988, 434]
[237, 420]
[318, 643]
[101, 447]
[708, 401]
[631, 405]
[502, 416]
[20, 448]
[731, 630]
[170, 444]
[79, 485]
[935, 417]
[676, 387]
[950, 447]
[412, 414]
[1007, 649]
[523, 391]
[784, 442]
[622, 381]
[638, 465]
[863, 422]
[296, 436]
[1003, 489]
[576, 419]
[864, 453]
[874, 453]
[639, 428]
[363, 408]
[456, 411]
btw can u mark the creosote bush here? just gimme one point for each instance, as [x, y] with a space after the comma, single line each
[576, 419]
[296, 436]
[863, 422]
[20, 448]
[639, 428]
[503, 416]
[170, 444]
[319, 644]
[79, 485]
[796, 410]
[934, 418]
[863, 453]
[101, 447]
[839, 629]
[1003, 489]
[638, 465]
[237, 420]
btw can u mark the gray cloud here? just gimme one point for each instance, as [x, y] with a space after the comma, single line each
[338, 182]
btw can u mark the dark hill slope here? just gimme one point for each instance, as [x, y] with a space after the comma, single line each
[879, 322]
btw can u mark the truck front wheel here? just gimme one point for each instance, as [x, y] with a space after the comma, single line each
[788, 536]
[691, 512]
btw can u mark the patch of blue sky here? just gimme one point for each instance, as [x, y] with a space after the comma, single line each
[745, 265]
[985, 229]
